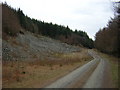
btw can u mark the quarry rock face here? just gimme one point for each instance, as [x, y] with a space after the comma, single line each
[29, 46]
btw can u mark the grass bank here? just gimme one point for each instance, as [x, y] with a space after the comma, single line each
[114, 65]
[39, 73]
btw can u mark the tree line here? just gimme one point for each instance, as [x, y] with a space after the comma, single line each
[108, 39]
[15, 20]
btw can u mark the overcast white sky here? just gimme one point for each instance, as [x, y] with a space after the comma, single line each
[86, 15]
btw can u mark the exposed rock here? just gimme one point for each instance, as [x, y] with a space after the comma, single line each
[31, 47]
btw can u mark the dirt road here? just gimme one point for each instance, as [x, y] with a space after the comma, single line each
[91, 75]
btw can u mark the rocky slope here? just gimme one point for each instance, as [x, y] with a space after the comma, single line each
[29, 46]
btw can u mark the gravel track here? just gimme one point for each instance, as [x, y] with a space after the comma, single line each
[95, 80]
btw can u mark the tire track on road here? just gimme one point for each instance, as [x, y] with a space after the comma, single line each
[73, 76]
[90, 75]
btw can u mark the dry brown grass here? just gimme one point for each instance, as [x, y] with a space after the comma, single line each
[41, 72]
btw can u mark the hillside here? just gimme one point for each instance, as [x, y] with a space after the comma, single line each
[30, 46]
[15, 20]
[37, 51]
[38, 54]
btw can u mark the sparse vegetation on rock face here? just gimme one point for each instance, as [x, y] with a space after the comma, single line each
[30, 47]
